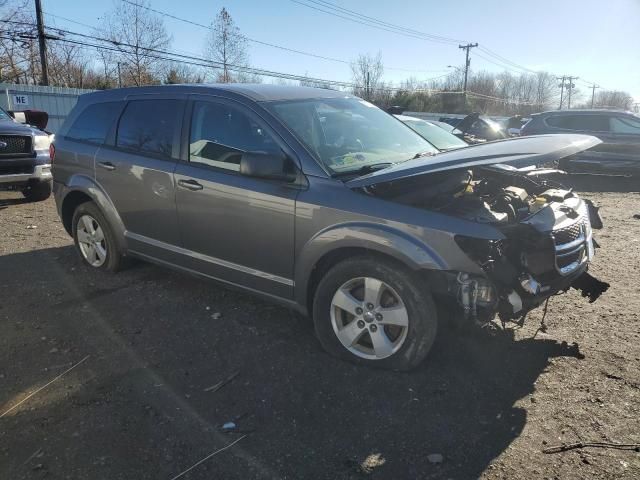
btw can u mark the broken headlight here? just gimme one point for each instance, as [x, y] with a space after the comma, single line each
[491, 255]
[483, 252]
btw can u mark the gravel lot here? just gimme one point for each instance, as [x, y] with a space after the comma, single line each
[152, 342]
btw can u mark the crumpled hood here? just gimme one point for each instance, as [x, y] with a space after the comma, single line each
[519, 151]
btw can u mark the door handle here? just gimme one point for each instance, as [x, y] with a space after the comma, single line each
[107, 165]
[190, 185]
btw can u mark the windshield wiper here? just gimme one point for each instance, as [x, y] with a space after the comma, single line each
[374, 167]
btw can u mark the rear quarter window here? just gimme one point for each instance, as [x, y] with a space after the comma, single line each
[93, 124]
[626, 125]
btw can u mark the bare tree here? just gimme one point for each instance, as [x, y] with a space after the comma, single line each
[19, 60]
[226, 46]
[366, 74]
[182, 73]
[68, 65]
[137, 33]
[612, 99]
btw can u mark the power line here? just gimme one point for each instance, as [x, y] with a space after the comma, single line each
[208, 63]
[267, 44]
[189, 59]
[117, 46]
[353, 13]
[335, 10]
[69, 20]
[506, 60]
[500, 99]
[397, 30]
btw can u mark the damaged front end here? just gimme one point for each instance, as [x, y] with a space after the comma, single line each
[546, 251]
[546, 245]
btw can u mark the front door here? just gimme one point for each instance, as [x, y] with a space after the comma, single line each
[233, 227]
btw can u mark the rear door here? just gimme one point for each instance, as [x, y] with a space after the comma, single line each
[624, 144]
[597, 124]
[135, 169]
[77, 145]
[233, 227]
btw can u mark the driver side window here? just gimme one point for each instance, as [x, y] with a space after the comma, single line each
[220, 134]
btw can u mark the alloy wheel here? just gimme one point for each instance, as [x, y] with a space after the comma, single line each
[91, 241]
[369, 318]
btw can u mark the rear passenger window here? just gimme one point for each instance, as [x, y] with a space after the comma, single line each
[589, 123]
[149, 126]
[625, 125]
[220, 134]
[93, 124]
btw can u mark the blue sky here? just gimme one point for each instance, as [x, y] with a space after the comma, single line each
[595, 40]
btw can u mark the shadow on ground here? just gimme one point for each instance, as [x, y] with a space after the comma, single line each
[138, 407]
[8, 202]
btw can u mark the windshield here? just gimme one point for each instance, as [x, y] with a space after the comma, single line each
[4, 115]
[435, 134]
[348, 134]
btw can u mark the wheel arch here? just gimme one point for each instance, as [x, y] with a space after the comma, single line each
[81, 189]
[336, 244]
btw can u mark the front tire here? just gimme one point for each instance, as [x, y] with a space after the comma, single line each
[37, 191]
[374, 312]
[94, 239]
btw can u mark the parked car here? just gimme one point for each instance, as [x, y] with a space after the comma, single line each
[323, 202]
[435, 134]
[478, 128]
[619, 151]
[25, 162]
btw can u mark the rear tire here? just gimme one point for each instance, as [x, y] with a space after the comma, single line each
[395, 332]
[94, 239]
[37, 191]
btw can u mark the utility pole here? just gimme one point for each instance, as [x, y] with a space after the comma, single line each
[119, 77]
[593, 93]
[42, 42]
[561, 90]
[570, 87]
[467, 62]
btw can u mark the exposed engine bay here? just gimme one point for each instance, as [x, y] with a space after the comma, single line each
[497, 195]
[547, 231]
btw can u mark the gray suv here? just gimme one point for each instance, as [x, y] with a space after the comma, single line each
[325, 203]
[619, 151]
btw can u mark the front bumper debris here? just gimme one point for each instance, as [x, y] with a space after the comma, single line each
[590, 286]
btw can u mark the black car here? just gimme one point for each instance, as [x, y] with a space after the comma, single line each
[619, 152]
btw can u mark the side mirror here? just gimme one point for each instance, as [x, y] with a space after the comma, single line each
[267, 165]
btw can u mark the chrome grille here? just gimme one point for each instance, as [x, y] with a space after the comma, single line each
[568, 234]
[12, 144]
[570, 246]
